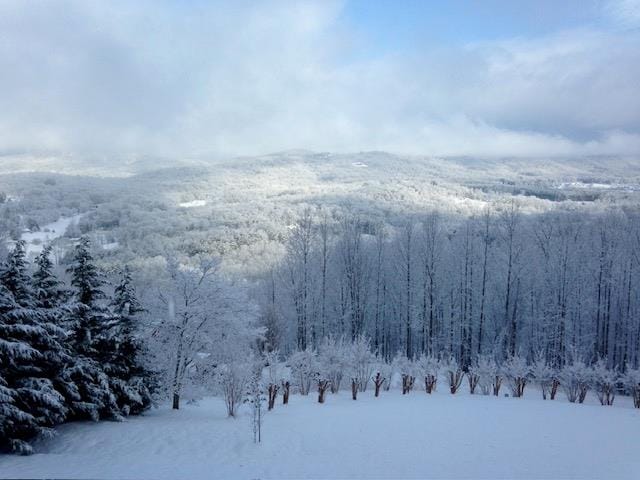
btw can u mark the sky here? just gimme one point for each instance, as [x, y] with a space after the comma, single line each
[196, 78]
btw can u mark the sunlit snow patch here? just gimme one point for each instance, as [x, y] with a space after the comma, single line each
[193, 203]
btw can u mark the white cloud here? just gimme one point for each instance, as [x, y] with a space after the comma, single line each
[184, 79]
[626, 13]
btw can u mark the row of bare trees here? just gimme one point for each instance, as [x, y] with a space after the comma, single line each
[323, 370]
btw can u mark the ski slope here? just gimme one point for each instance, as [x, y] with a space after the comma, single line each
[394, 436]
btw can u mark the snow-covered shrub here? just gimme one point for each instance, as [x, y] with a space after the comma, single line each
[489, 373]
[303, 369]
[575, 379]
[632, 384]
[454, 373]
[429, 366]
[604, 382]
[473, 377]
[406, 369]
[362, 361]
[333, 356]
[544, 375]
[232, 379]
[517, 373]
[386, 371]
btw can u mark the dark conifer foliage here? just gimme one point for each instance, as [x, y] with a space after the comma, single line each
[65, 355]
[32, 360]
[129, 379]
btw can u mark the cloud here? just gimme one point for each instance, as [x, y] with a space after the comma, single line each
[625, 13]
[199, 78]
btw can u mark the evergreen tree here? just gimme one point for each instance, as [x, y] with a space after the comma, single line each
[130, 380]
[47, 288]
[14, 275]
[90, 317]
[89, 321]
[32, 360]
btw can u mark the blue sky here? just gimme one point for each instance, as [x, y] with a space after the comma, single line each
[455, 77]
[387, 25]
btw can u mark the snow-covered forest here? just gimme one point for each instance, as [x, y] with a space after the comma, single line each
[505, 294]
[319, 239]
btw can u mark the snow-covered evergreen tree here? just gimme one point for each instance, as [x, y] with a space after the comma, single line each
[31, 361]
[90, 321]
[130, 381]
[47, 288]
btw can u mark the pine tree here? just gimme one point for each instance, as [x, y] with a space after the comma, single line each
[14, 275]
[130, 380]
[90, 318]
[89, 321]
[31, 361]
[47, 288]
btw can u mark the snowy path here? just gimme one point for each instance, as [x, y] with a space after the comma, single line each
[415, 436]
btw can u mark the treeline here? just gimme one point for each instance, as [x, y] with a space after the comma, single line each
[500, 283]
[65, 353]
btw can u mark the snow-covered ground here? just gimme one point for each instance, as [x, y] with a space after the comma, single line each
[394, 436]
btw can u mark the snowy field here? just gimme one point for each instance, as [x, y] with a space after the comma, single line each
[35, 241]
[394, 436]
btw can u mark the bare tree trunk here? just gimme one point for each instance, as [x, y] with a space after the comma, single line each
[378, 381]
[554, 388]
[473, 382]
[497, 383]
[430, 383]
[323, 385]
[273, 395]
[286, 386]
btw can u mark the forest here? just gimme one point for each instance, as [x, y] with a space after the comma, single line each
[512, 290]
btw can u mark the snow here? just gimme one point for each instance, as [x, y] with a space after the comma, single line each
[193, 203]
[394, 436]
[599, 186]
[37, 240]
[110, 246]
